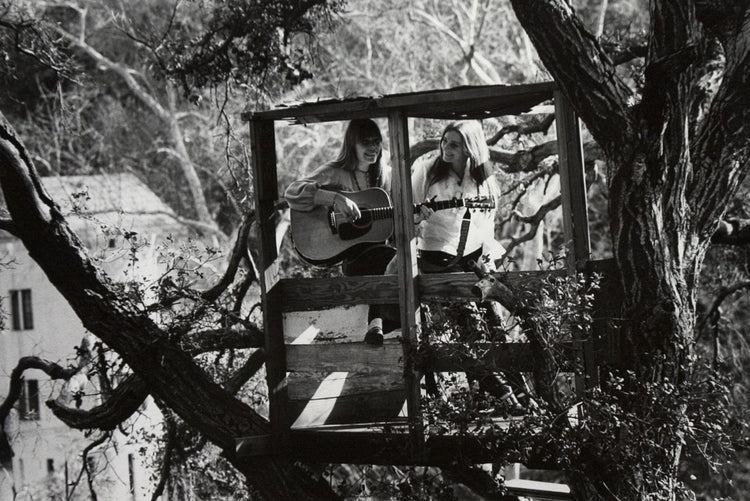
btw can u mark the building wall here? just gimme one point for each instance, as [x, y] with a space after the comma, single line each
[48, 453]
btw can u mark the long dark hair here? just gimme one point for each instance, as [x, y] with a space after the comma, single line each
[475, 146]
[358, 130]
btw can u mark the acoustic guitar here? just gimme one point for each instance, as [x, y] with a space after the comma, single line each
[325, 237]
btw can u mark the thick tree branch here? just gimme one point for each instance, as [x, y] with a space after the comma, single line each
[204, 341]
[581, 68]
[170, 373]
[53, 370]
[127, 397]
[722, 142]
[121, 403]
[525, 129]
[170, 439]
[248, 370]
[7, 225]
[239, 251]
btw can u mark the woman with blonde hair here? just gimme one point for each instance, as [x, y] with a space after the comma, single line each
[448, 240]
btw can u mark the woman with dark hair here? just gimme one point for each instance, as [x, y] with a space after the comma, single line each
[358, 166]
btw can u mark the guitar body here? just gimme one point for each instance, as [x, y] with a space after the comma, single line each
[322, 237]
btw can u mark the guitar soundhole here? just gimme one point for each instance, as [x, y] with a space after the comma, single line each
[355, 229]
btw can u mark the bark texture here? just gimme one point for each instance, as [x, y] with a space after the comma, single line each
[675, 158]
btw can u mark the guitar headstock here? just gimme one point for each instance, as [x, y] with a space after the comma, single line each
[482, 203]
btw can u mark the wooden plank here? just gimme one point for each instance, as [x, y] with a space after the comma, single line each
[302, 294]
[306, 294]
[546, 491]
[345, 357]
[458, 286]
[455, 101]
[457, 97]
[361, 408]
[572, 183]
[344, 324]
[479, 109]
[307, 385]
[575, 214]
[406, 256]
[263, 144]
[387, 445]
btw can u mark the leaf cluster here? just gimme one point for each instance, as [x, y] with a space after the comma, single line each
[248, 42]
[626, 424]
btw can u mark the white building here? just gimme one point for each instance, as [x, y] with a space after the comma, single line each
[47, 454]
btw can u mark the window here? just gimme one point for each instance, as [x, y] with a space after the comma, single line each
[29, 402]
[20, 303]
[50, 466]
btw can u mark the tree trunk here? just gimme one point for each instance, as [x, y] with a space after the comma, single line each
[675, 159]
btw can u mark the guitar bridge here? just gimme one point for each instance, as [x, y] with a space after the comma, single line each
[332, 221]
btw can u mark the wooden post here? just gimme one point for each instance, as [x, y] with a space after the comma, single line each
[265, 181]
[572, 183]
[575, 211]
[398, 128]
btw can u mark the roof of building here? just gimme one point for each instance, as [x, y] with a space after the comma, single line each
[103, 193]
[101, 207]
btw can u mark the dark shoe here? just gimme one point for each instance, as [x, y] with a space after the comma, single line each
[374, 336]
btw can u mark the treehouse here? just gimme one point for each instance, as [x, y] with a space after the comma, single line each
[355, 403]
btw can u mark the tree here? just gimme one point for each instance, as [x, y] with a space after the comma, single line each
[272, 479]
[675, 160]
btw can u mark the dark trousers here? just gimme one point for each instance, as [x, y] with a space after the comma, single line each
[442, 262]
[371, 259]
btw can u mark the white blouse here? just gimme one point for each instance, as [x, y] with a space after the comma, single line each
[442, 231]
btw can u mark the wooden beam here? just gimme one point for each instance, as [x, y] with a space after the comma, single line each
[541, 491]
[572, 183]
[263, 144]
[320, 294]
[306, 385]
[575, 214]
[385, 444]
[345, 357]
[481, 101]
[347, 409]
[307, 294]
[406, 257]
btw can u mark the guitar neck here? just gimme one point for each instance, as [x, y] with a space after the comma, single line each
[387, 212]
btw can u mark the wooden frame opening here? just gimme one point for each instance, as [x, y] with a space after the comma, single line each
[400, 438]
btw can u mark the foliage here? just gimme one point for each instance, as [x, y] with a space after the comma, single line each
[105, 127]
[243, 42]
[621, 423]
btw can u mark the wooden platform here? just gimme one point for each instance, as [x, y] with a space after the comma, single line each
[384, 442]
